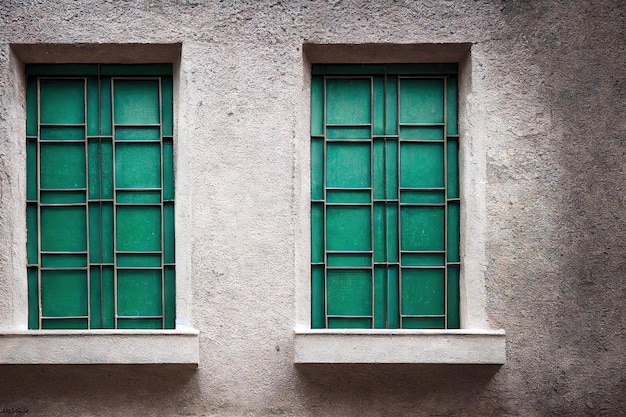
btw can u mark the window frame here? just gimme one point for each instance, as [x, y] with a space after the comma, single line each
[18, 345]
[476, 342]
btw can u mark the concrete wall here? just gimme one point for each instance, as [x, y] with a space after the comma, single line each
[545, 93]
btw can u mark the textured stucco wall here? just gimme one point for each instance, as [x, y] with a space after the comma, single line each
[548, 100]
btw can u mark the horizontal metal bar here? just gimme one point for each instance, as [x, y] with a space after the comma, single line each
[138, 317]
[136, 125]
[348, 140]
[348, 189]
[357, 252]
[350, 204]
[137, 204]
[453, 263]
[50, 252]
[63, 317]
[422, 188]
[422, 266]
[421, 251]
[76, 268]
[62, 124]
[454, 200]
[137, 252]
[116, 141]
[62, 204]
[139, 268]
[138, 189]
[422, 204]
[348, 317]
[421, 124]
[59, 141]
[59, 190]
[107, 137]
[348, 125]
[424, 316]
[348, 268]
[422, 140]
[453, 136]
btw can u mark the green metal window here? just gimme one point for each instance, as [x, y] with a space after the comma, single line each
[100, 197]
[384, 196]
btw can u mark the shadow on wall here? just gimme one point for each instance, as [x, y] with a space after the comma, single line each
[398, 389]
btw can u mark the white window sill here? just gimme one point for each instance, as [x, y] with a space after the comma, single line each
[80, 347]
[463, 346]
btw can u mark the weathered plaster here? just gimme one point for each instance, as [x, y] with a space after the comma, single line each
[547, 145]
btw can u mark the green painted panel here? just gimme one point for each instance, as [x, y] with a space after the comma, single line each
[423, 322]
[348, 165]
[106, 154]
[63, 229]
[423, 292]
[318, 290]
[106, 111]
[348, 228]
[95, 298]
[453, 232]
[70, 324]
[168, 169]
[138, 260]
[138, 228]
[33, 298]
[93, 168]
[139, 324]
[380, 235]
[317, 106]
[63, 261]
[62, 133]
[136, 102]
[62, 197]
[423, 259]
[393, 297]
[95, 227]
[62, 69]
[136, 69]
[138, 165]
[108, 297]
[348, 100]
[391, 170]
[107, 232]
[137, 133]
[349, 292]
[393, 250]
[423, 197]
[347, 69]
[421, 165]
[453, 298]
[63, 165]
[31, 170]
[346, 133]
[92, 106]
[349, 323]
[380, 297]
[62, 101]
[317, 232]
[169, 246]
[64, 293]
[32, 250]
[139, 293]
[31, 107]
[423, 69]
[349, 259]
[391, 104]
[348, 196]
[379, 169]
[451, 107]
[167, 103]
[138, 197]
[421, 100]
[422, 228]
[421, 133]
[453, 168]
[379, 105]
[317, 169]
[170, 297]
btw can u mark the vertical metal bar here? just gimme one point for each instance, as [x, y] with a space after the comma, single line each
[38, 151]
[86, 141]
[399, 211]
[372, 182]
[162, 206]
[113, 146]
[100, 205]
[445, 209]
[324, 214]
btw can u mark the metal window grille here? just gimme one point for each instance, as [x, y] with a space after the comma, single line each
[384, 196]
[100, 197]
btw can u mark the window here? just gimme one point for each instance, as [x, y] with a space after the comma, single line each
[100, 197]
[385, 200]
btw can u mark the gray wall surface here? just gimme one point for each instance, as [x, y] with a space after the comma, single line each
[548, 96]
